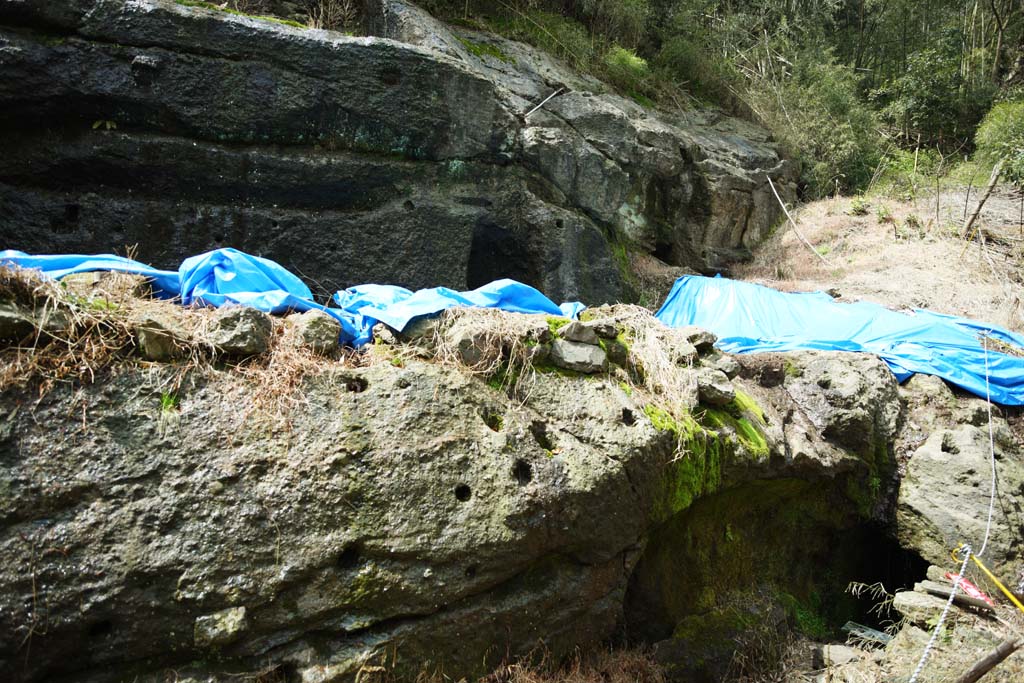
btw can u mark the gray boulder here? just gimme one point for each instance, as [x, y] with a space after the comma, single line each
[578, 357]
[160, 331]
[240, 331]
[944, 499]
[315, 330]
[15, 324]
[714, 388]
[579, 332]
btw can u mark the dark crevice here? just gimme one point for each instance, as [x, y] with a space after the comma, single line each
[522, 472]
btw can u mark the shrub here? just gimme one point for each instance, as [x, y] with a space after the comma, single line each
[1001, 136]
[625, 70]
[621, 20]
[705, 76]
[816, 114]
[554, 33]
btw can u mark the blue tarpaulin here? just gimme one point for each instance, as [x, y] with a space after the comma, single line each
[748, 318]
[228, 276]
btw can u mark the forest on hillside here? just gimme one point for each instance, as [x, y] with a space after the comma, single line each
[855, 89]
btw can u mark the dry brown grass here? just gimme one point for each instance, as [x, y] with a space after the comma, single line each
[96, 336]
[77, 340]
[599, 666]
[898, 256]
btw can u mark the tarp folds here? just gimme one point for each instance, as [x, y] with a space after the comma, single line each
[228, 276]
[748, 318]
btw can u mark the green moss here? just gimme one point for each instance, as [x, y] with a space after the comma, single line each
[642, 100]
[807, 615]
[696, 466]
[749, 435]
[481, 50]
[744, 403]
[626, 388]
[228, 10]
[792, 370]
[555, 324]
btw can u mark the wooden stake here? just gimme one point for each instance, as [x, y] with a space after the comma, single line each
[793, 223]
[991, 660]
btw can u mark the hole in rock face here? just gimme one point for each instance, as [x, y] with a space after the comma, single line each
[471, 571]
[522, 472]
[559, 223]
[493, 420]
[539, 430]
[356, 385]
[628, 418]
[390, 76]
[497, 252]
[408, 205]
[72, 212]
[663, 252]
[949, 444]
[349, 558]
[100, 629]
[781, 553]
[463, 493]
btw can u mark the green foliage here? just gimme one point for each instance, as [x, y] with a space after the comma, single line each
[816, 114]
[859, 206]
[1001, 136]
[562, 36]
[625, 70]
[481, 50]
[624, 21]
[705, 76]
[228, 10]
[169, 402]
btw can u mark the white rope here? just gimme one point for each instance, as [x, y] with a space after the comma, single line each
[991, 451]
[938, 627]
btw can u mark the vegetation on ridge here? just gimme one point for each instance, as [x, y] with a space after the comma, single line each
[844, 85]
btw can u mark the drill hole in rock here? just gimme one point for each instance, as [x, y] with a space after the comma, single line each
[356, 385]
[348, 558]
[522, 472]
[539, 430]
[628, 418]
[494, 421]
[463, 493]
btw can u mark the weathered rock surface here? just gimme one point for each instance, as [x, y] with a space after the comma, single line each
[918, 608]
[402, 158]
[409, 508]
[315, 330]
[578, 357]
[240, 331]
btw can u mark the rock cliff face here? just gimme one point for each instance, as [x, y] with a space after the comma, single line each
[406, 158]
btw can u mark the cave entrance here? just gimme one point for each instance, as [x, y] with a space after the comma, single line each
[766, 558]
[497, 252]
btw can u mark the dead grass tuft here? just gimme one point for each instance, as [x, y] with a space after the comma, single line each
[72, 338]
[601, 666]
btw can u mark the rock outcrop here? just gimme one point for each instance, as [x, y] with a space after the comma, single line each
[407, 514]
[455, 495]
[406, 158]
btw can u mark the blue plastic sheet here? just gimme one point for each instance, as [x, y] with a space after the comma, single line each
[228, 276]
[748, 318]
